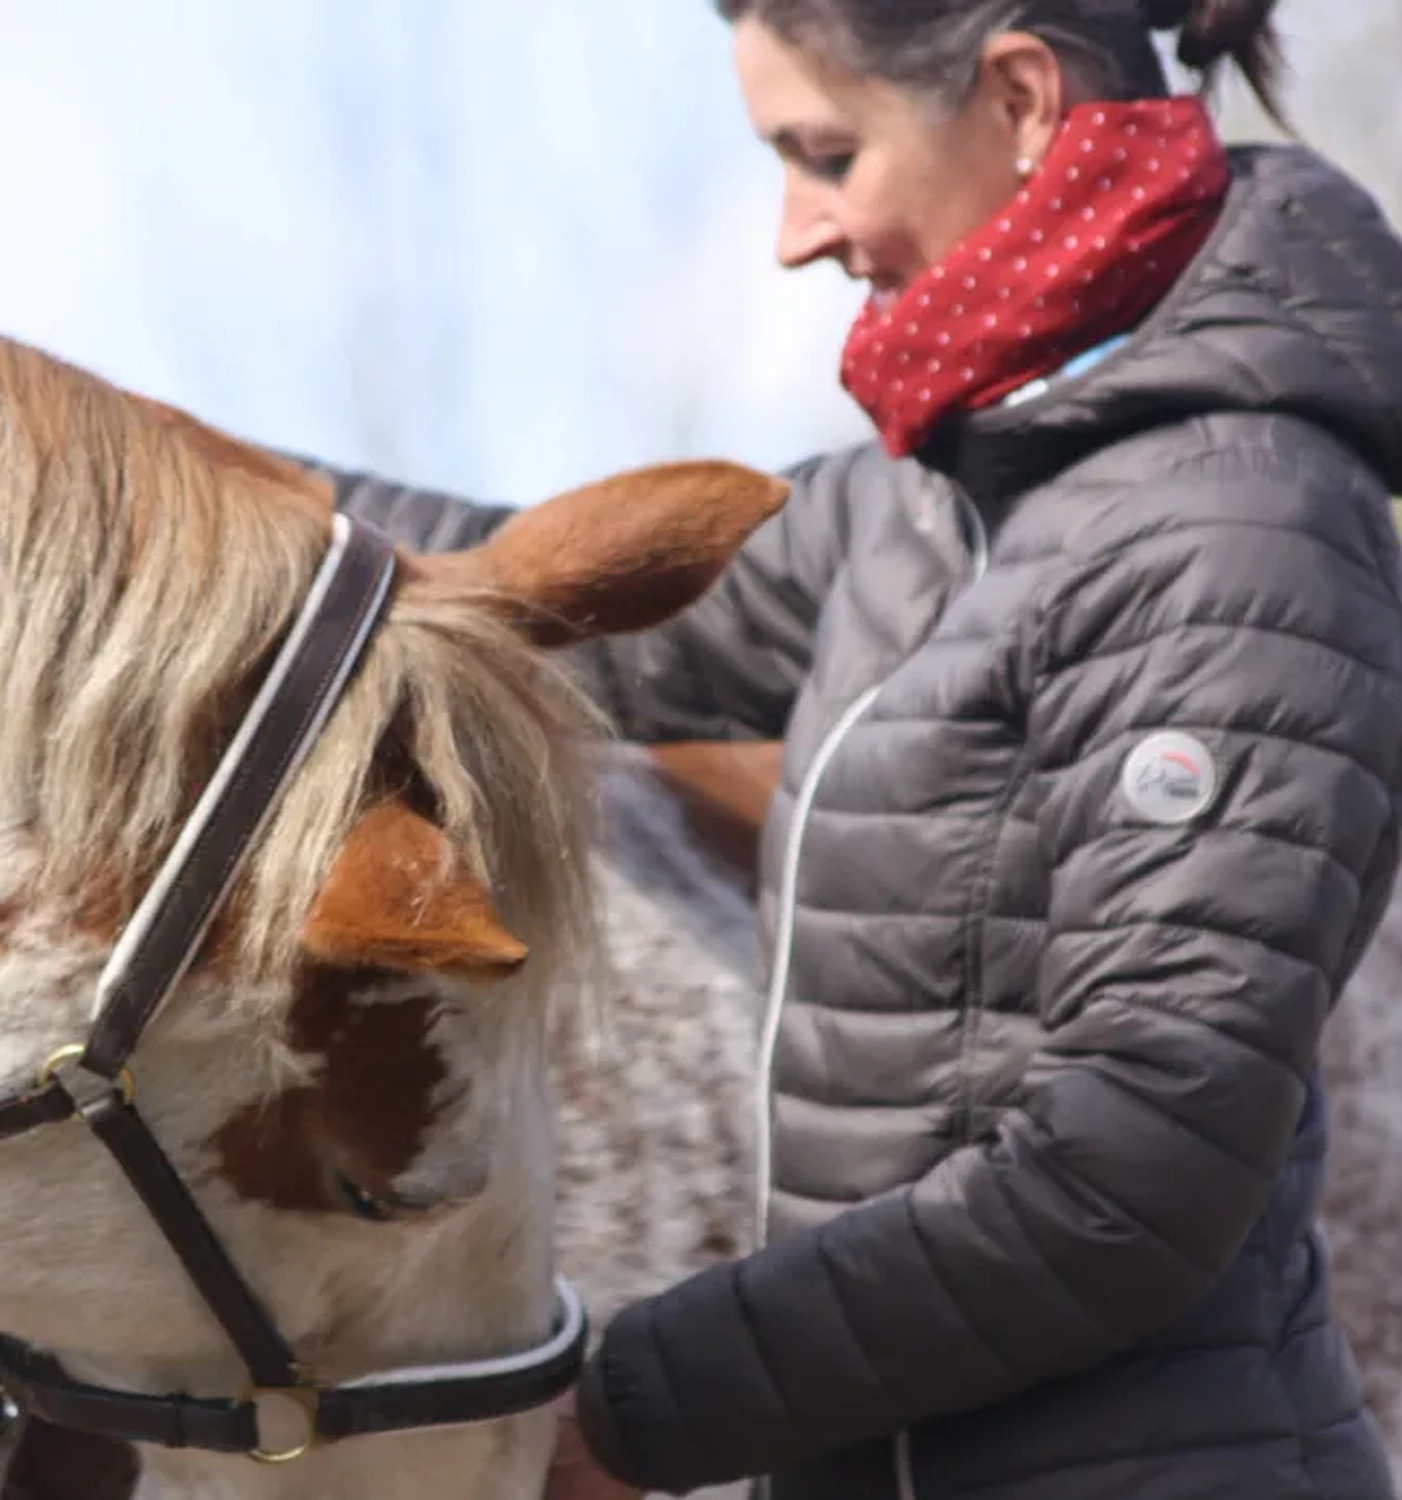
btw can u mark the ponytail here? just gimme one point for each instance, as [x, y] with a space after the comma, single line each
[1211, 32]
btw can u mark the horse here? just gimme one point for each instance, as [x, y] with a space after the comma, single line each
[1362, 1065]
[296, 872]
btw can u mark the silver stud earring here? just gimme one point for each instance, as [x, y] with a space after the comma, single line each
[1025, 166]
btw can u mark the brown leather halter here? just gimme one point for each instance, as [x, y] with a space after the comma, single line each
[93, 1081]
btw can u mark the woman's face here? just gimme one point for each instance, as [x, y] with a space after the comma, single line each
[872, 178]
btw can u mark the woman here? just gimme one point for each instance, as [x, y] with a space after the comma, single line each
[1091, 686]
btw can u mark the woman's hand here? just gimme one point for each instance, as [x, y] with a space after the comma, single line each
[573, 1473]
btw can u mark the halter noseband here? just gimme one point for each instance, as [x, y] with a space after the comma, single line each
[93, 1081]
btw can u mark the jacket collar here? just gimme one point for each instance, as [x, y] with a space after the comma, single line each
[1293, 304]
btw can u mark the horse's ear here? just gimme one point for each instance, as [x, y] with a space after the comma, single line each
[396, 898]
[619, 555]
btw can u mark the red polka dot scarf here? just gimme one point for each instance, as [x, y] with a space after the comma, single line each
[1100, 232]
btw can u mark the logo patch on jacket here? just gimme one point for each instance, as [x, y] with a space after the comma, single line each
[1169, 777]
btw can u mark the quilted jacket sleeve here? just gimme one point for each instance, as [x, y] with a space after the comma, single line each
[1185, 976]
[426, 520]
[729, 667]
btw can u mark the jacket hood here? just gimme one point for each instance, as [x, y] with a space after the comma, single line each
[1294, 305]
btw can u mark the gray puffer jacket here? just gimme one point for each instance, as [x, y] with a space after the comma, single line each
[1093, 725]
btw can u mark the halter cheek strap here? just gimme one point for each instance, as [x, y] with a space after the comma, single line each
[304, 684]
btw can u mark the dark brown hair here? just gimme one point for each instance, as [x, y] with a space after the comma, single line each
[934, 46]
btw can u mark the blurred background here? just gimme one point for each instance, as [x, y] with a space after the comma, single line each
[497, 247]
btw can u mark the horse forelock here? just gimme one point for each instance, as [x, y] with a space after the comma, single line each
[142, 584]
[150, 567]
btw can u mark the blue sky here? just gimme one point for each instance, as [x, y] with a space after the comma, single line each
[499, 246]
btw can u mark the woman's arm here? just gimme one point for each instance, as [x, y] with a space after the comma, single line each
[1187, 970]
[426, 520]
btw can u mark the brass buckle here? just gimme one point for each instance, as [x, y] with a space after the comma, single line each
[307, 1400]
[125, 1081]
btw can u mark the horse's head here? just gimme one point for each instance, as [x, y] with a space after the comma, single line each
[352, 1074]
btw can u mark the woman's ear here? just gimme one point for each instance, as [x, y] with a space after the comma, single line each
[1022, 81]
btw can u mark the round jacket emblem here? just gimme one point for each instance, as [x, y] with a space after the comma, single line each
[1169, 777]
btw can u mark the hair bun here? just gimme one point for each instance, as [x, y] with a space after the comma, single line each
[1166, 15]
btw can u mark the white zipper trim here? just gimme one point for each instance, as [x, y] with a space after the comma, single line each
[783, 955]
[783, 948]
[905, 1475]
[978, 533]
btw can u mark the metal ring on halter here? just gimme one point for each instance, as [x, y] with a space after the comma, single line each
[306, 1399]
[125, 1080]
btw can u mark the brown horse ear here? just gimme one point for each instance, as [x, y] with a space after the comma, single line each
[616, 556]
[396, 899]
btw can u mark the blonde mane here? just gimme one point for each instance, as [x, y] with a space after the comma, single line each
[150, 568]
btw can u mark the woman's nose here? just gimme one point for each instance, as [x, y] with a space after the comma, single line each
[807, 232]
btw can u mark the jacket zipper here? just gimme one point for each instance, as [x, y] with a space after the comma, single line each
[978, 547]
[977, 536]
[783, 946]
[905, 1475]
[788, 885]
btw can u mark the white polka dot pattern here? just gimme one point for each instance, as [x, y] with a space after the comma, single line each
[1032, 287]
